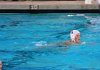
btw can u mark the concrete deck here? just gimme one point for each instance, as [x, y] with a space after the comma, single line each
[47, 5]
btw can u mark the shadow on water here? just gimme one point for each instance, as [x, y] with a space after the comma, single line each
[13, 23]
[22, 57]
[19, 58]
[3, 26]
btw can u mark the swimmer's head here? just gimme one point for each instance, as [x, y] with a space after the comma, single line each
[75, 36]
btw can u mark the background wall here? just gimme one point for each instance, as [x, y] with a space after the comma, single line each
[42, 0]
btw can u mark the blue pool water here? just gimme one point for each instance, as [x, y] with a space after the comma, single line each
[22, 35]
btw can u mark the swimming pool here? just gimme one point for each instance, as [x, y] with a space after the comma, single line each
[22, 35]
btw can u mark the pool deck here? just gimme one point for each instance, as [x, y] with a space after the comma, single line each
[47, 5]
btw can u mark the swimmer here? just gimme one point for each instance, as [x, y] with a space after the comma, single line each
[75, 38]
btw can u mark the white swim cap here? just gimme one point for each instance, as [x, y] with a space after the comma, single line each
[73, 33]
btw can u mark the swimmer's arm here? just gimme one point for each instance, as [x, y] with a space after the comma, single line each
[66, 43]
[55, 43]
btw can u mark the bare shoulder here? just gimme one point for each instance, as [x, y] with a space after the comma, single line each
[67, 42]
[70, 43]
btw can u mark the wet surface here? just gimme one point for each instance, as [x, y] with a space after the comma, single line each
[25, 39]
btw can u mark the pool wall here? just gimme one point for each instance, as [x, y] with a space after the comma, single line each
[48, 6]
[49, 11]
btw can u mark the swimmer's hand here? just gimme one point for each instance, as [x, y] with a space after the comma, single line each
[83, 42]
[88, 43]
